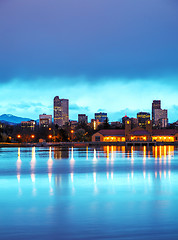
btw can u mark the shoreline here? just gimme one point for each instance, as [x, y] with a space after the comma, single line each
[86, 144]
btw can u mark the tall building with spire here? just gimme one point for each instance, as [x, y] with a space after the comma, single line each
[61, 111]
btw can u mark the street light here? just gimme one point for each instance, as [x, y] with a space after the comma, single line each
[50, 136]
[32, 136]
[18, 136]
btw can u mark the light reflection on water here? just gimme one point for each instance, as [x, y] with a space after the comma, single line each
[109, 192]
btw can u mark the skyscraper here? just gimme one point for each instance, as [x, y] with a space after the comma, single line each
[61, 111]
[156, 104]
[159, 116]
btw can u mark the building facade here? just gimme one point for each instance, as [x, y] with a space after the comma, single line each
[45, 120]
[82, 118]
[28, 125]
[159, 116]
[101, 117]
[143, 117]
[137, 134]
[156, 104]
[61, 111]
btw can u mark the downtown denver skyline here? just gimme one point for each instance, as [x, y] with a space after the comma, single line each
[113, 56]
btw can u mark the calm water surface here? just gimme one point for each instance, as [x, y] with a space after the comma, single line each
[89, 193]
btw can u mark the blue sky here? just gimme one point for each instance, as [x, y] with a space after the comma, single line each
[115, 56]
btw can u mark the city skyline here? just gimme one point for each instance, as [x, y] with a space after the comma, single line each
[118, 116]
[119, 52]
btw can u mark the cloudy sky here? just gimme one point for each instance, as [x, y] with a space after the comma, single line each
[104, 55]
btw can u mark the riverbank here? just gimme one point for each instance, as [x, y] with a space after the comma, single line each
[87, 144]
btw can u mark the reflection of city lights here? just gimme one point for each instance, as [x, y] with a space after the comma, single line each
[50, 163]
[160, 153]
[123, 151]
[144, 174]
[156, 174]
[33, 177]
[94, 177]
[49, 177]
[132, 155]
[169, 174]
[132, 174]
[112, 154]
[33, 160]
[72, 155]
[160, 174]
[107, 175]
[18, 177]
[164, 173]
[107, 152]
[164, 155]
[144, 155]
[94, 156]
[156, 153]
[87, 153]
[72, 177]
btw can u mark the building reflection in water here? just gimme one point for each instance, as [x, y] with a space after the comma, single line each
[33, 163]
[144, 155]
[19, 162]
[61, 152]
[50, 164]
[94, 156]
[132, 155]
[87, 153]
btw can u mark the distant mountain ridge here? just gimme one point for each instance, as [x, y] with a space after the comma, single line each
[11, 119]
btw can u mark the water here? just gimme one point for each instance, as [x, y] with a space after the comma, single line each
[87, 193]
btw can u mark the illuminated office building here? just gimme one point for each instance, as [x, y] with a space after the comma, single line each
[159, 116]
[61, 111]
[101, 117]
[45, 120]
[143, 117]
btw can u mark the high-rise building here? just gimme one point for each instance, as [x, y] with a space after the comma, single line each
[61, 111]
[143, 117]
[156, 104]
[101, 117]
[82, 118]
[45, 120]
[159, 116]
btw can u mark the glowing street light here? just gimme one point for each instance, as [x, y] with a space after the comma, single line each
[32, 136]
[50, 136]
[18, 136]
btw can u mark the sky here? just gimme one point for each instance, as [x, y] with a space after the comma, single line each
[115, 56]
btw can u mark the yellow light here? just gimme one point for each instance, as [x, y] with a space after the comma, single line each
[148, 122]
[72, 131]
[49, 129]
[18, 136]
[127, 122]
[32, 136]
[50, 136]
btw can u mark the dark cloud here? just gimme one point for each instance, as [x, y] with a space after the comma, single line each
[95, 39]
